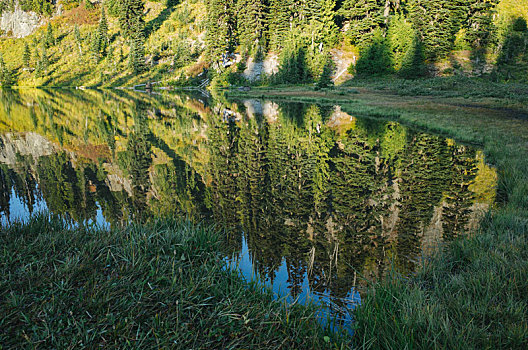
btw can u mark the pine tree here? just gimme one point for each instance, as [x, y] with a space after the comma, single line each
[280, 22]
[480, 27]
[325, 79]
[400, 36]
[131, 17]
[50, 38]
[95, 44]
[375, 59]
[26, 58]
[6, 77]
[438, 22]
[363, 17]
[78, 40]
[44, 61]
[251, 24]
[136, 56]
[413, 64]
[221, 28]
[102, 32]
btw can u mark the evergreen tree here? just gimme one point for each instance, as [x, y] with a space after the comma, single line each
[6, 77]
[26, 58]
[480, 27]
[280, 22]
[251, 24]
[50, 38]
[221, 28]
[413, 64]
[136, 56]
[44, 61]
[375, 59]
[400, 36]
[325, 79]
[438, 21]
[78, 40]
[95, 44]
[131, 17]
[363, 17]
[102, 31]
[329, 30]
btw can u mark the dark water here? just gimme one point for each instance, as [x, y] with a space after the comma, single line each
[314, 200]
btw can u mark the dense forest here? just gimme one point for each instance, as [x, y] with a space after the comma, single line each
[179, 39]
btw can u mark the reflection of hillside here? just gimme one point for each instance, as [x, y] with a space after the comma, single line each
[323, 192]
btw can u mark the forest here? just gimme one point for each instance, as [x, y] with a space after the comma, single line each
[117, 41]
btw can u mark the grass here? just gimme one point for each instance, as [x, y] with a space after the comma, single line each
[472, 293]
[152, 286]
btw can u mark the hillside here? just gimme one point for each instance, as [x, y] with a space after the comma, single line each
[272, 42]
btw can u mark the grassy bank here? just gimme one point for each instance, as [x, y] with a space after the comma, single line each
[470, 294]
[160, 285]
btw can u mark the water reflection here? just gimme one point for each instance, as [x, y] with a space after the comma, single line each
[312, 198]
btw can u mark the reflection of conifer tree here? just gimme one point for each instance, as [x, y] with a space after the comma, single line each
[139, 153]
[425, 174]
[222, 172]
[179, 189]
[24, 182]
[5, 190]
[459, 198]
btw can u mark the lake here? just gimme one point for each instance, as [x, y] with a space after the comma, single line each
[313, 199]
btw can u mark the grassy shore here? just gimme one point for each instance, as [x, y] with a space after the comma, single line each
[154, 286]
[472, 293]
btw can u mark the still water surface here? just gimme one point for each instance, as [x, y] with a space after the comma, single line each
[314, 200]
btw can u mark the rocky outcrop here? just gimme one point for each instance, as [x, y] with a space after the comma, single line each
[18, 23]
[24, 144]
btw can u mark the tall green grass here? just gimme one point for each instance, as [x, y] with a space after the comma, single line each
[152, 286]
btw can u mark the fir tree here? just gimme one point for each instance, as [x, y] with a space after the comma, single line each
[251, 24]
[221, 28]
[131, 17]
[78, 40]
[102, 31]
[6, 77]
[480, 27]
[400, 36]
[280, 22]
[136, 56]
[375, 59]
[26, 58]
[438, 21]
[325, 79]
[413, 64]
[50, 38]
[363, 17]
[44, 61]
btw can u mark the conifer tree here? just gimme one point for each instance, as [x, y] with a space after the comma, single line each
[6, 77]
[280, 22]
[78, 40]
[102, 31]
[325, 79]
[480, 27]
[136, 56]
[438, 21]
[131, 17]
[413, 64]
[221, 27]
[363, 17]
[44, 61]
[375, 59]
[251, 24]
[50, 38]
[26, 58]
